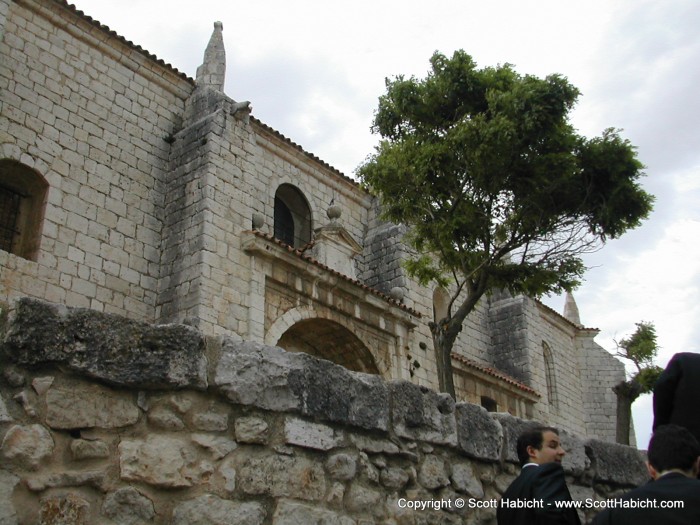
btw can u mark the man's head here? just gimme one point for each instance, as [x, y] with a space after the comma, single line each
[673, 447]
[540, 445]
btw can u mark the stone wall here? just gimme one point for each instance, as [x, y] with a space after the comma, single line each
[109, 420]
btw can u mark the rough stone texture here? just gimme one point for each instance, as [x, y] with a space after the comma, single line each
[83, 452]
[107, 347]
[420, 413]
[465, 481]
[208, 509]
[333, 393]
[27, 445]
[90, 406]
[283, 476]
[62, 510]
[251, 430]
[616, 464]
[8, 482]
[480, 436]
[253, 374]
[127, 506]
[294, 513]
[161, 461]
[311, 435]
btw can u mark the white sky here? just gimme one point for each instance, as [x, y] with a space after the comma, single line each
[313, 70]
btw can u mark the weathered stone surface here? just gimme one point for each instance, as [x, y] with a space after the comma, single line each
[393, 478]
[27, 445]
[480, 436]
[283, 476]
[127, 506]
[465, 481]
[254, 374]
[341, 467]
[66, 479]
[8, 482]
[432, 473]
[219, 446]
[311, 435]
[63, 510]
[88, 406]
[42, 384]
[161, 461]
[295, 513]
[251, 430]
[210, 421]
[375, 445]
[512, 428]
[575, 461]
[227, 471]
[614, 463]
[332, 393]
[109, 347]
[163, 417]
[5, 416]
[209, 509]
[420, 413]
[363, 499]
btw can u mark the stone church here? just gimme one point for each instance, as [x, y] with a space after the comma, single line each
[129, 188]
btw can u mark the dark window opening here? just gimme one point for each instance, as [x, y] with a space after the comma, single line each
[9, 213]
[489, 404]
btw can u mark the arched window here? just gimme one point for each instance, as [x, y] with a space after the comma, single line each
[489, 404]
[22, 202]
[441, 304]
[550, 376]
[292, 217]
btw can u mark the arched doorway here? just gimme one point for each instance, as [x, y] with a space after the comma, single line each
[331, 341]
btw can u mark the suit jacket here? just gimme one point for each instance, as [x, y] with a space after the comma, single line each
[671, 487]
[542, 482]
[677, 393]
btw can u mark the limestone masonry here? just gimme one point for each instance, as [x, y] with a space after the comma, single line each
[107, 420]
[130, 189]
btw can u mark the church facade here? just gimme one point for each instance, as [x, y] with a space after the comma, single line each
[129, 188]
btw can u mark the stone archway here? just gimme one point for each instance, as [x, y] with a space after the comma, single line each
[331, 341]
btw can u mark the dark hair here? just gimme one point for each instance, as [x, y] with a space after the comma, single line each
[673, 447]
[531, 437]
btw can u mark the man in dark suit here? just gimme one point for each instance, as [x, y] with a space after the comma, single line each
[531, 498]
[673, 460]
[677, 393]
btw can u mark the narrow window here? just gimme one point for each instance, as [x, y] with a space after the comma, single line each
[292, 223]
[22, 200]
[550, 376]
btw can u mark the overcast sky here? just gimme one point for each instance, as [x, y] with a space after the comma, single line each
[313, 70]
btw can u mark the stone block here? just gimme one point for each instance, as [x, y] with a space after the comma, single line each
[283, 476]
[127, 506]
[161, 461]
[422, 414]
[480, 435]
[311, 435]
[87, 405]
[294, 513]
[616, 464]
[330, 392]
[27, 446]
[208, 509]
[105, 346]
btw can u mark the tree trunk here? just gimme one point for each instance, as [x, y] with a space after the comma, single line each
[443, 360]
[627, 392]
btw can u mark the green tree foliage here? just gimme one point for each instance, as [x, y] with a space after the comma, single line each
[497, 188]
[641, 349]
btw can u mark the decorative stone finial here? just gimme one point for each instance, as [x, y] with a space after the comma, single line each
[334, 212]
[571, 309]
[212, 72]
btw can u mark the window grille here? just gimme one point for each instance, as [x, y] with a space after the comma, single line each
[9, 211]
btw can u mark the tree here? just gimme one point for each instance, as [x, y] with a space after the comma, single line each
[640, 348]
[496, 187]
